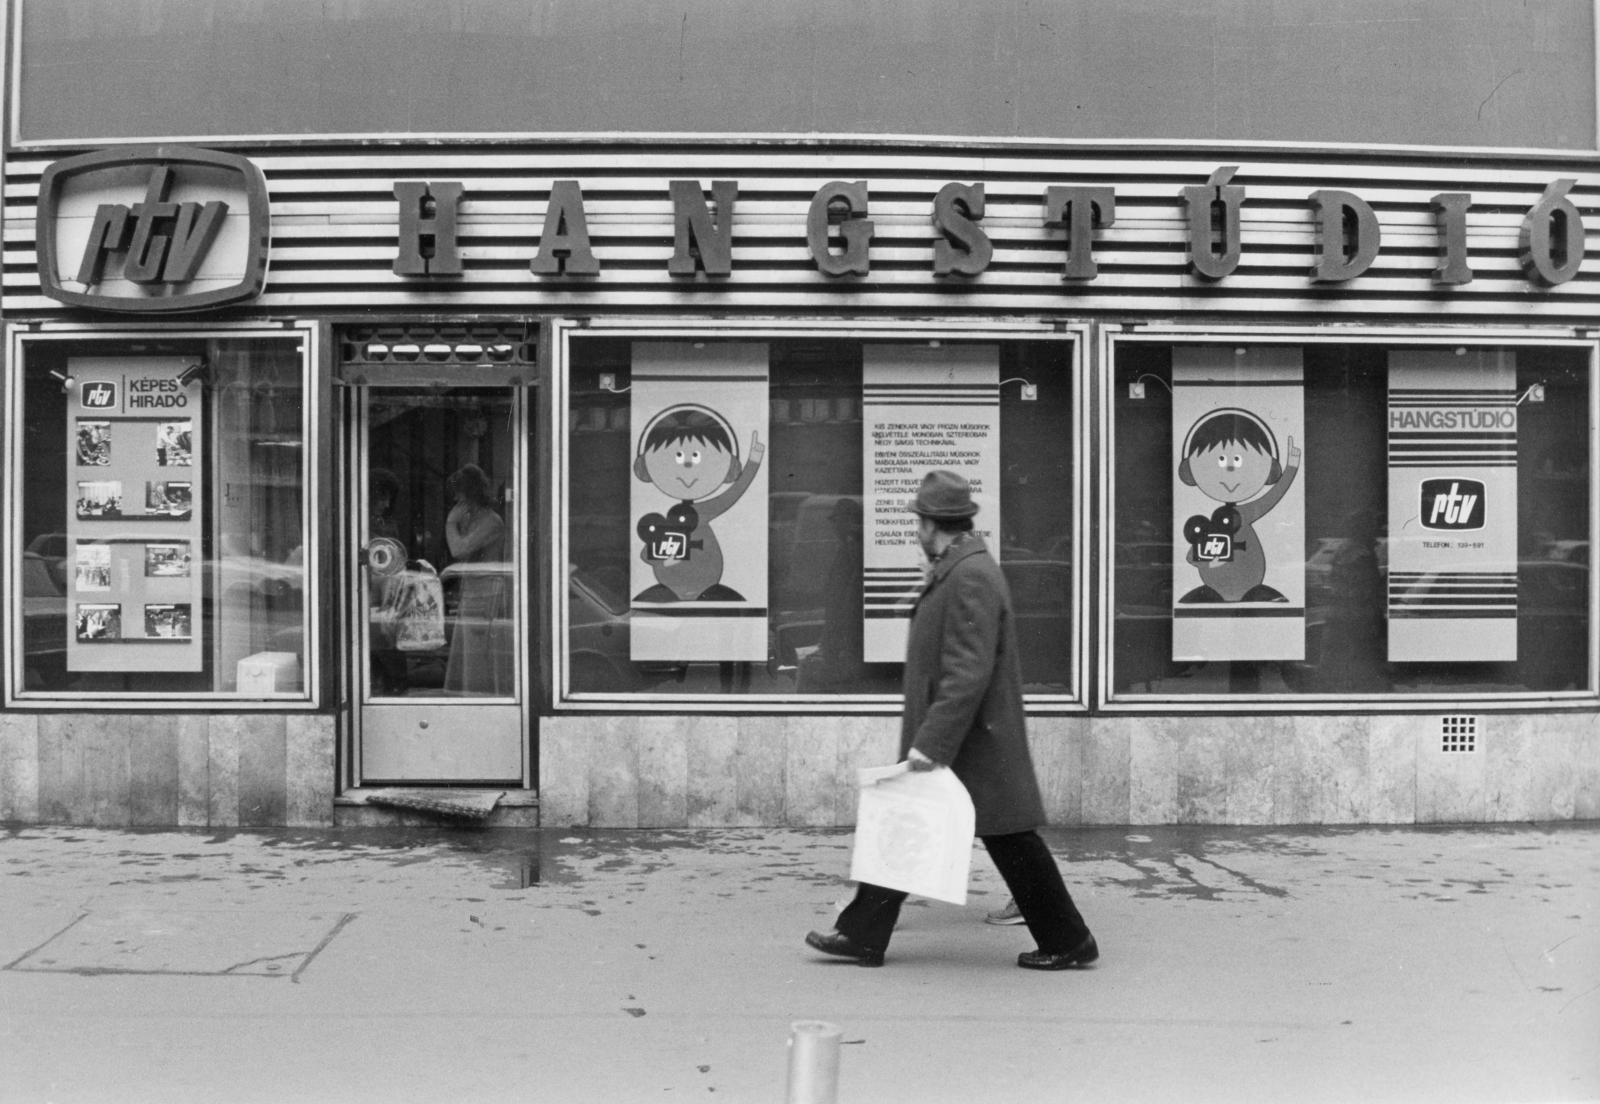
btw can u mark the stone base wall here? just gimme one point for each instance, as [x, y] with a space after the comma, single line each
[712, 771]
[262, 770]
[162, 770]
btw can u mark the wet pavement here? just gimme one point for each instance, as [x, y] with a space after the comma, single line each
[409, 965]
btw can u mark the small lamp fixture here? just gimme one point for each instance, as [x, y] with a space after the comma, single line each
[68, 383]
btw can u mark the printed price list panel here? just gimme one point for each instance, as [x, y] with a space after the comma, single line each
[134, 582]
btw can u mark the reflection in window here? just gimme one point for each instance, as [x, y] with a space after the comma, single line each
[163, 520]
[817, 521]
[1375, 436]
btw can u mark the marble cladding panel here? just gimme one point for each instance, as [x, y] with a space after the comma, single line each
[1105, 788]
[760, 764]
[614, 772]
[19, 768]
[152, 770]
[1056, 745]
[564, 770]
[663, 771]
[863, 741]
[1392, 769]
[224, 737]
[262, 769]
[1321, 773]
[309, 741]
[1250, 769]
[1585, 733]
[713, 784]
[1509, 746]
[194, 771]
[1153, 747]
[810, 767]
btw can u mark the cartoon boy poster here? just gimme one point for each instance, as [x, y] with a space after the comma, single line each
[699, 425]
[1238, 503]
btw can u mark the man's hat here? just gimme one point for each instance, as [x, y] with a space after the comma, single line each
[943, 496]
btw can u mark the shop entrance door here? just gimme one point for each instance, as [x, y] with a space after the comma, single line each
[440, 528]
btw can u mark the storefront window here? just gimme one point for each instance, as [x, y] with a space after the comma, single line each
[1350, 519]
[736, 518]
[161, 526]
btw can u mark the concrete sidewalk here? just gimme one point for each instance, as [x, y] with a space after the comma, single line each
[1237, 965]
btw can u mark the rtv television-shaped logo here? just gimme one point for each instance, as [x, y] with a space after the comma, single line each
[98, 395]
[1451, 504]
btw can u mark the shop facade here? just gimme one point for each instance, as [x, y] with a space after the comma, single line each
[572, 470]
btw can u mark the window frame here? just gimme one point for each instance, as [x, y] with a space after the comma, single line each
[1110, 337]
[21, 335]
[562, 333]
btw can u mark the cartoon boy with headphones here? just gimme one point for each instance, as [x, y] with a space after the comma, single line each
[688, 452]
[1231, 456]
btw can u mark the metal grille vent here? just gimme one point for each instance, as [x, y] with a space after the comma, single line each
[1460, 732]
[511, 343]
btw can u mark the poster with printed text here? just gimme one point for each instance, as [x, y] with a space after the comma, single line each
[698, 504]
[922, 408]
[1452, 506]
[133, 515]
[1238, 500]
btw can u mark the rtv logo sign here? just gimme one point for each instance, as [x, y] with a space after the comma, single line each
[152, 229]
[1453, 504]
[99, 395]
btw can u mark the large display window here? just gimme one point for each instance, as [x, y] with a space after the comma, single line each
[157, 521]
[1349, 521]
[733, 507]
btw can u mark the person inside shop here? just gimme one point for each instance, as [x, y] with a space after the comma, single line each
[388, 665]
[480, 662]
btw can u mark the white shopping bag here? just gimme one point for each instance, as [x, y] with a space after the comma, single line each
[914, 832]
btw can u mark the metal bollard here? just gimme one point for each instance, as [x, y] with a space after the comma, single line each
[813, 1062]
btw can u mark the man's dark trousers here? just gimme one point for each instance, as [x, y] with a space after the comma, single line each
[1030, 874]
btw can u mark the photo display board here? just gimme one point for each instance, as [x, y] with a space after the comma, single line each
[1452, 506]
[1238, 570]
[922, 408]
[133, 569]
[699, 502]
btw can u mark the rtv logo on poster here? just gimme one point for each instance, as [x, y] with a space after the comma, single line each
[1453, 504]
[99, 395]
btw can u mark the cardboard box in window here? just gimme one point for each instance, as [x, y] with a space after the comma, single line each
[269, 673]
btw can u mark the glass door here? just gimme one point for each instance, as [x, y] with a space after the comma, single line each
[438, 583]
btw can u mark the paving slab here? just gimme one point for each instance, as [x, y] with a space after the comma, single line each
[1415, 964]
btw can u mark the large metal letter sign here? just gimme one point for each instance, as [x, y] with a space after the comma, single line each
[427, 228]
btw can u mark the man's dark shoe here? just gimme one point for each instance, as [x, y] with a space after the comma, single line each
[1081, 955]
[837, 943]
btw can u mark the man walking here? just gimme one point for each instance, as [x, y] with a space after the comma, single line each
[963, 709]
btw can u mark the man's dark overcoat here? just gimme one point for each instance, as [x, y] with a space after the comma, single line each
[963, 689]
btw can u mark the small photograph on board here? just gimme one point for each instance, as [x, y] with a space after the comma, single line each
[97, 623]
[173, 500]
[166, 561]
[94, 444]
[94, 566]
[170, 622]
[173, 443]
[99, 500]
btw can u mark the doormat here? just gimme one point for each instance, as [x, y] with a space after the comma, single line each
[470, 804]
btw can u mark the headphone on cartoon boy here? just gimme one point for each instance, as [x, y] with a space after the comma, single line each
[734, 467]
[1186, 474]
